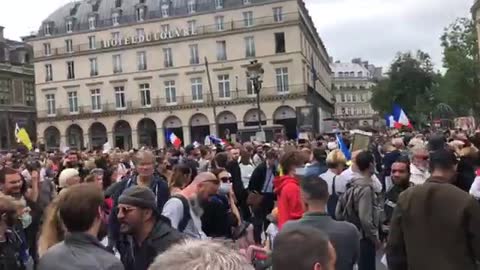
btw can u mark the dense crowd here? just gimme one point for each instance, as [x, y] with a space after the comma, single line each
[281, 205]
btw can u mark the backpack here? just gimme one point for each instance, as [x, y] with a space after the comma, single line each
[346, 210]
[186, 213]
[332, 200]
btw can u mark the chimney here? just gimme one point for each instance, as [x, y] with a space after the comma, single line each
[2, 38]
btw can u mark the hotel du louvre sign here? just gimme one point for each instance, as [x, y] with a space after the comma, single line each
[166, 35]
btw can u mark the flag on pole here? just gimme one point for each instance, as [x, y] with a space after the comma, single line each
[174, 139]
[22, 137]
[400, 117]
[216, 140]
[390, 121]
[343, 147]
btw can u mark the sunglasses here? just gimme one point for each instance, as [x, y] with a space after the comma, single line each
[126, 210]
[226, 179]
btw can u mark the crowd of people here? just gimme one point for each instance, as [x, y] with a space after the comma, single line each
[281, 205]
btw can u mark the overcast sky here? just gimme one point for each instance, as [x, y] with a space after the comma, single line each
[372, 29]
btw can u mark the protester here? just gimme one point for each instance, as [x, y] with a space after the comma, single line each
[475, 188]
[318, 166]
[205, 158]
[68, 178]
[303, 248]
[352, 173]
[358, 205]
[180, 178]
[144, 233]
[344, 236]
[435, 225]
[144, 176]
[200, 255]
[192, 154]
[246, 167]
[419, 165]
[221, 215]
[287, 188]
[261, 197]
[185, 208]
[337, 184]
[52, 230]
[10, 242]
[83, 222]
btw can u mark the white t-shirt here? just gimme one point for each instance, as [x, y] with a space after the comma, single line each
[173, 209]
[246, 172]
[340, 182]
[350, 175]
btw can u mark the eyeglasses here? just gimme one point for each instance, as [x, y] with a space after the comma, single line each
[126, 210]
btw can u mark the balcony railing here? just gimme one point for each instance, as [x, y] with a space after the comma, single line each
[199, 31]
[161, 103]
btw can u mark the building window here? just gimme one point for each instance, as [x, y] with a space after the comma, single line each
[69, 45]
[96, 100]
[145, 95]
[248, 18]
[220, 23]
[194, 58]
[92, 23]
[118, 3]
[51, 109]
[224, 86]
[120, 97]
[354, 98]
[165, 10]
[29, 94]
[116, 18]
[349, 98]
[247, 2]
[197, 89]
[47, 49]
[93, 67]
[192, 27]
[360, 74]
[280, 42]
[342, 97]
[278, 14]
[249, 47]
[250, 87]
[165, 28]
[191, 6]
[117, 63]
[221, 50]
[69, 26]
[170, 92]
[48, 72]
[352, 74]
[282, 79]
[72, 102]
[218, 4]
[140, 14]
[362, 97]
[70, 70]
[116, 36]
[142, 60]
[340, 74]
[47, 29]
[92, 42]
[168, 58]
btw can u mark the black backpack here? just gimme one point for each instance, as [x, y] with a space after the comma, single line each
[186, 213]
[332, 200]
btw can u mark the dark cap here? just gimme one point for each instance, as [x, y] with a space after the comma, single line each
[138, 196]
[189, 148]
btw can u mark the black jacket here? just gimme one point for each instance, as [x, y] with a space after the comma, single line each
[136, 257]
[218, 219]
[257, 180]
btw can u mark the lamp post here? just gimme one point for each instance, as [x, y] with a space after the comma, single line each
[255, 75]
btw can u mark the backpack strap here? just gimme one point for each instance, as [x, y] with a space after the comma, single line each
[186, 212]
[334, 191]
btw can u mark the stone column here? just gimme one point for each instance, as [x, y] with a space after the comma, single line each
[63, 142]
[134, 140]
[186, 135]
[213, 130]
[86, 141]
[161, 137]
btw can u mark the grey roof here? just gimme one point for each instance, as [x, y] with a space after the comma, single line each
[106, 8]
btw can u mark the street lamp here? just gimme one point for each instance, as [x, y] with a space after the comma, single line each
[255, 75]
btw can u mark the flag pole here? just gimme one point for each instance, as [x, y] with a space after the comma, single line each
[214, 107]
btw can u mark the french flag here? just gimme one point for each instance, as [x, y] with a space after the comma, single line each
[400, 117]
[216, 140]
[390, 121]
[174, 140]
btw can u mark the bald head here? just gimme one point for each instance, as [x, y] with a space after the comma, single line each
[203, 186]
[204, 177]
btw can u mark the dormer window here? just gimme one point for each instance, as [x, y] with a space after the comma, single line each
[47, 29]
[360, 74]
[191, 6]
[140, 13]
[116, 18]
[92, 22]
[165, 10]
[69, 26]
[118, 3]
[247, 2]
[218, 4]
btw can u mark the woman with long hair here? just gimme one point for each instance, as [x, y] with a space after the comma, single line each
[180, 178]
[52, 231]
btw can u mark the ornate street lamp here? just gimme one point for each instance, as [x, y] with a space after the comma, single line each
[255, 75]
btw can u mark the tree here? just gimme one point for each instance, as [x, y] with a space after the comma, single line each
[411, 84]
[460, 84]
